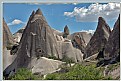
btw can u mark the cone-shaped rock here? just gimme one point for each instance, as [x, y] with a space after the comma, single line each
[39, 12]
[37, 41]
[8, 42]
[112, 48]
[7, 35]
[99, 38]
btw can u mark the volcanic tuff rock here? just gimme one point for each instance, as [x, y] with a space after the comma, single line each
[57, 32]
[99, 39]
[7, 35]
[112, 48]
[84, 35]
[66, 32]
[80, 40]
[7, 58]
[8, 42]
[65, 48]
[37, 41]
[18, 35]
[44, 65]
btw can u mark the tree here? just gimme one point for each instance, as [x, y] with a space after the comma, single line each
[68, 60]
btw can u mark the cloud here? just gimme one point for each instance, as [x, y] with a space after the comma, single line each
[74, 3]
[88, 31]
[90, 14]
[16, 22]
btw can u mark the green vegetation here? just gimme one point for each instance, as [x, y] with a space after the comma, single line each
[52, 57]
[64, 59]
[76, 72]
[79, 72]
[65, 35]
[24, 74]
[113, 66]
[67, 60]
[54, 76]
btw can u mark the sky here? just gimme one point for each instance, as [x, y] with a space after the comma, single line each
[78, 16]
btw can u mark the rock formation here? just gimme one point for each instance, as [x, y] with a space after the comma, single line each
[8, 39]
[66, 32]
[7, 58]
[38, 41]
[65, 48]
[80, 40]
[8, 42]
[112, 48]
[99, 39]
[18, 35]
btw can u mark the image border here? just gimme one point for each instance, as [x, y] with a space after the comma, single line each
[43, 2]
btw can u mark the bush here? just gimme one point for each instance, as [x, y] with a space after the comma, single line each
[53, 76]
[111, 67]
[68, 60]
[24, 74]
[79, 72]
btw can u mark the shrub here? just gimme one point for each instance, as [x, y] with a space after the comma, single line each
[68, 60]
[53, 76]
[113, 66]
[24, 74]
[79, 72]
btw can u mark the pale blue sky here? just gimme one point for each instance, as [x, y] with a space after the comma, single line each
[54, 14]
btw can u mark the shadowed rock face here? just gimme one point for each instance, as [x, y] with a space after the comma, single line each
[8, 41]
[112, 48]
[84, 35]
[66, 32]
[80, 40]
[7, 35]
[99, 39]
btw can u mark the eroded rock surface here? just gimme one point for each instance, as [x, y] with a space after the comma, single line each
[112, 48]
[8, 39]
[38, 40]
[99, 39]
